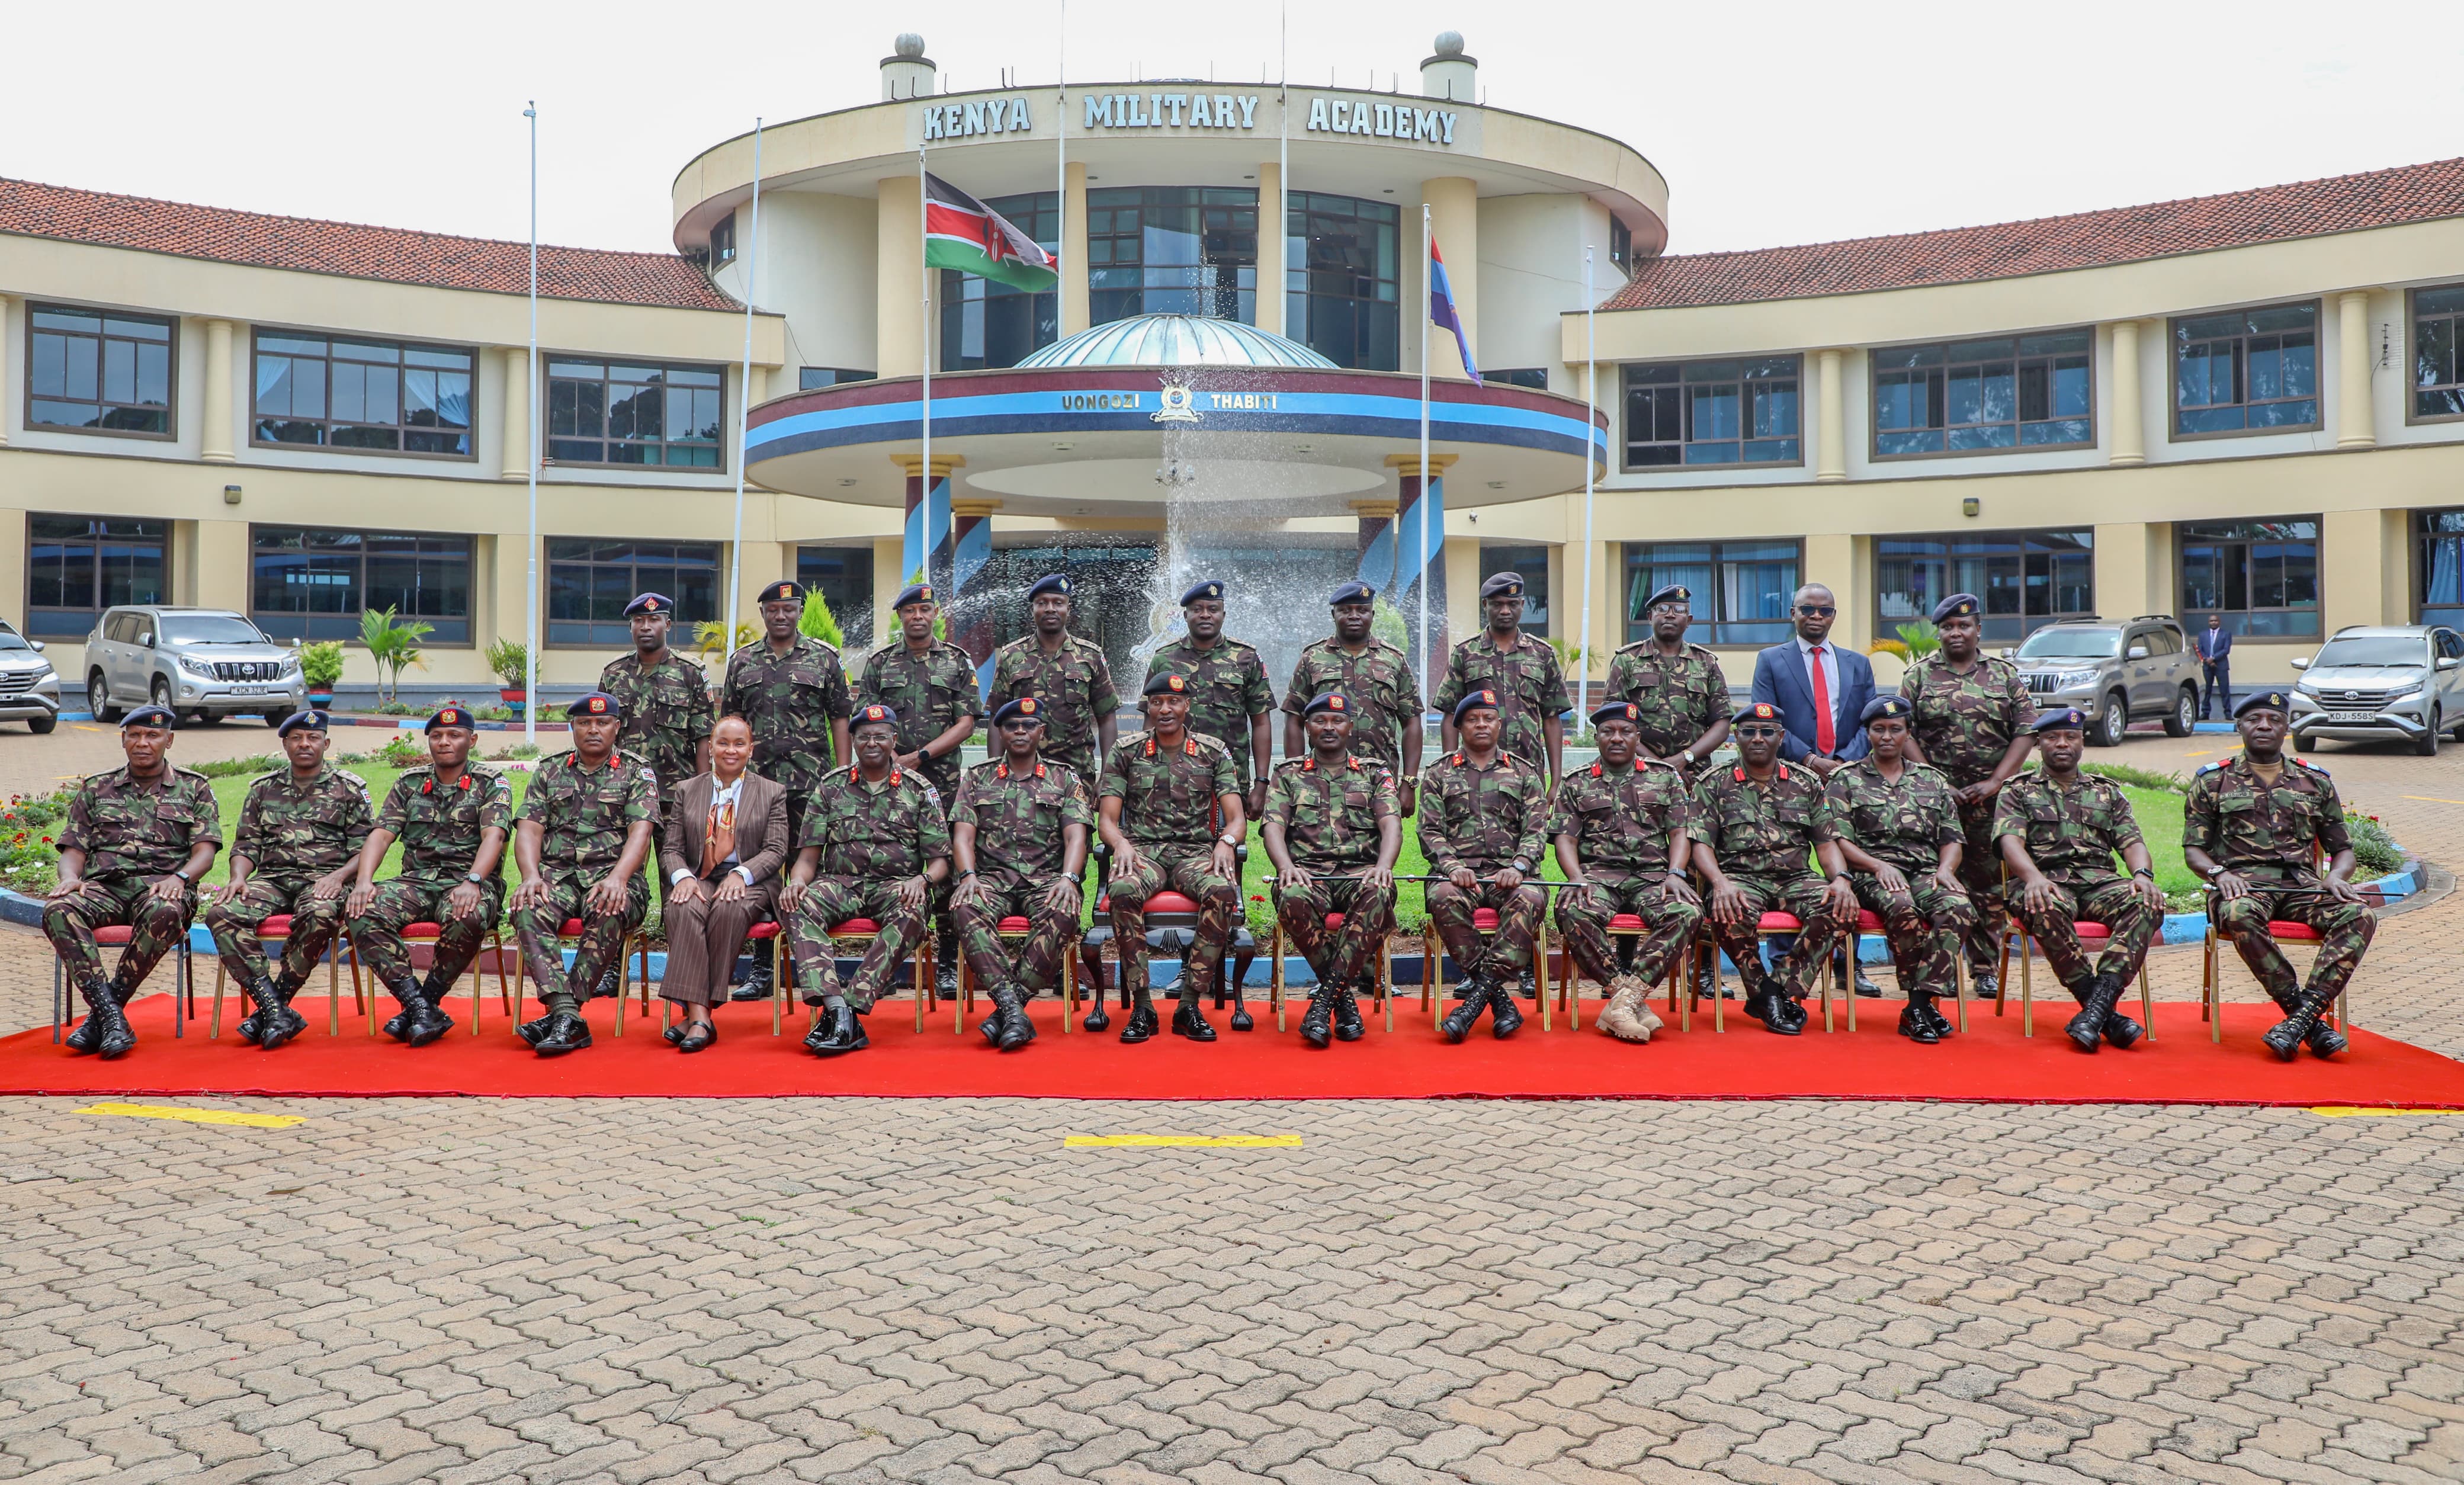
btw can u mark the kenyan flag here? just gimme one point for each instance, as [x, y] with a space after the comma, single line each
[962, 233]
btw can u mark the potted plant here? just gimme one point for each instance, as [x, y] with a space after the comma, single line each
[509, 659]
[321, 665]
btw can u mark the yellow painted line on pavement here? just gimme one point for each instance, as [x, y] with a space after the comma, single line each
[2338, 1112]
[196, 1115]
[2433, 799]
[1205, 1141]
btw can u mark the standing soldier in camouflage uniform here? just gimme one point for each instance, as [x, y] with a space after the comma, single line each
[928, 685]
[137, 840]
[791, 690]
[1332, 829]
[1375, 680]
[1170, 807]
[2058, 829]
[1068, 676]
[1229, 694]
[1482, 809]
[1622, 828]
[1900, 836]
[1679, 687]
[1971, 724]
[579, 841]
[2256, 826]
[876, 845]
[1524, 672]
[665, 699]
[1759, 821]
[452, 819]
[300, 830]
[1019, 836]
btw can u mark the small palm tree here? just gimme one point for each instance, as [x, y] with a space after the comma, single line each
[393, 645]
[1920, 637]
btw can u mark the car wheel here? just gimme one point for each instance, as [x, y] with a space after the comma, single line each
[2426, 745]
[39, 726]
[162, 694]
[274, 718]
[97, 699]
[2112, 721]
[2303, 742]
[2186, 712]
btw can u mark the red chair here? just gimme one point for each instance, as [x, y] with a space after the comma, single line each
[184, 986]
[1870, 923]
[2088, 934]
[1014, 929]
[2212, 979]
[1630, 926]
[1484, 922]
[275, 929]
[860, 932]
[1334, 921]
[634, 940]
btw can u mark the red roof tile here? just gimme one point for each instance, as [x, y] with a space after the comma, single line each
[2052, 244]
[393, 254]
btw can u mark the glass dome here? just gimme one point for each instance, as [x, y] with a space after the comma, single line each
[1177, 340]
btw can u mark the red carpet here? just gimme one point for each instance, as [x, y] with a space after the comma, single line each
[1994, 1064]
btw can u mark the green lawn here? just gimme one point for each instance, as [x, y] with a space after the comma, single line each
[230, 791]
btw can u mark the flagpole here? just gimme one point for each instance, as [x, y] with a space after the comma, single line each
[1061, 142]
[1591, 387]
[744, 405]
[1428, 323]
[924, 266]
[1282, 281]
[530, 462]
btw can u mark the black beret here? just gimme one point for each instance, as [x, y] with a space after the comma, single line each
[1755, 711]
[913, 593]
[1893, 705]
[2060, 719]
[1052, 583]
[1018, 709]
[1167, 683]
[595, 703]
[785, 590]
[1616, 711]
[1200, 591]
[448, 716]
[1671, 593]
[2268, 700]
[1958, 606]
[1334, 702]
[310, 721]
[1353, 593]
[149, 717]
[652, 602]
[873, 714]
[1473, 701]
[1502, 585]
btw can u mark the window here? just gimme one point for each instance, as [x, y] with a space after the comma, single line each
[2438, 584]
[2028, 391]
[2261, 575]
[989, 324]
[97, 370]
[1712, 412]
[612, 412]
[1341, 295]
[722, 241]
[810, 379]
[79, 565]
[843, 577]
[1535, 378]
[2437, 362]
[1531, 563]
[1741, 590]
[366, 396]
[589, 582]
[2248, 371]
[1187, 250]
[2028, 579]
[1622, 245]
[313, 584]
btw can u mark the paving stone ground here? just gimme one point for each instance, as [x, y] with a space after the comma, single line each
[858, 1291]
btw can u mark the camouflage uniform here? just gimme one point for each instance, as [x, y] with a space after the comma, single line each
[1384, 693]
[1227, 686]
[1168, 813]
[1019, 819]
[872, 836]
[790, 700]
[1964, 723]
[2273, 838]
[1075, 687]
[1485, 820]
[1529, 685]
[587, 815]
[930, 692]
[291, 834]
[440, 831]
[1906, 825]
[131, 834]
[1682, 698]
[1330, 829]
[666, 716]
[1621, 822]
[1761, 834]
[2071, 835]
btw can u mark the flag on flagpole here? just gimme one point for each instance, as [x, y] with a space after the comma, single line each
[1442, 310]
[965, 234]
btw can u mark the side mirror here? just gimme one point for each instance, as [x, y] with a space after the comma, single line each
[37, 644]
[2009, 653]
[2301, 665]
[2446, 662]
[147, 640]
[2138, 652]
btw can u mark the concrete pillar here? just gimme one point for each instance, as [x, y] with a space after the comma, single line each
[1463, 596]
[2128, 443]
[1830, 560]
[2128, 579]
[514, 416]
[2354, 586]
[509, 580]
[215, 428]
[971, 598]
[1405, 593]
[913, 546]
[1271, 217]
[222, 565]
[1831, 430]
[1074, 309]
[898, 277]
[2356, 420]
[1454, 219]
[13, 558]
[1376, 518]
[9, 337]
[889, 576]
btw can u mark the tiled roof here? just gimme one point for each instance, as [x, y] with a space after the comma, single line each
[391, 253]
[2052, 244]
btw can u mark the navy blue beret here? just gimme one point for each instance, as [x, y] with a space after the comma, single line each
[310, 721]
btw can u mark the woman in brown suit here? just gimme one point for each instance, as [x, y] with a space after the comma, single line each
[721, 859]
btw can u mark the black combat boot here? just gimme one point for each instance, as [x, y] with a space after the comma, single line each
[2095, 998]
[1916, 1023]
[1505, 1017]
[838, 1032]
[407, 995]
[279, 1023]
[105, 1029]
[2324, 1040]
[1012, 1029]
[260, 1015]
[1316, 1023]
[2121, 1032]
[429, 1021]
[945, 966]
[758, 981]
[2286, 1036]
[1477, 992]
[1347, 1027]
[1142, 1024]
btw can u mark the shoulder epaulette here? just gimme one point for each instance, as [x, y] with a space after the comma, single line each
[266, 777]
[1661, 762]
[1289, 763]
[2307, 766]
[97, 778]
[191, 774]
[1630, 648]
[1211, 740]
[432, 768]
[2204, 769]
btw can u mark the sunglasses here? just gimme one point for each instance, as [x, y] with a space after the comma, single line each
[1817, 610]
[1758, 732]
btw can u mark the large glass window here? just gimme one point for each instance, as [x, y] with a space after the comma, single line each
[308, 582]
[1184, 250]
[2438, 359]
[1712, 412]
[1342, 293]
[79, 565]
[1741, 590]
[368, 395]
[2438, 584]
[1976, 396]
[2027, 579]
[814, 378]
[2252, 370]
[589, 582]
[2261, 575]
[97, 370]
[634, 413]
[985, 324]
[1531, 563]
[843, 575]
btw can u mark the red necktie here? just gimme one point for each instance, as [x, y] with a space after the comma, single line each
[1823, 734]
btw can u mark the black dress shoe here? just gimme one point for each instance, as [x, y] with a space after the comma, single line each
[1983, 983]
[567, 1031]
[1142, 1024]
[838, 1032]
[1095, 1020]
[758, 984]
[1242, 1020]
[676, 1033]
[1941, 1024]
[1917, 1027]
[698, 1036]
[1189, 1021]
[532, 1031]
[1867, 987]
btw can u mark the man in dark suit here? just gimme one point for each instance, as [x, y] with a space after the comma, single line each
[2215, 645]
[1820, 688]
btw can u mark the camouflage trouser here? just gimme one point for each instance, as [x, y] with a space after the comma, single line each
[70, 920]
[1518, 921]
[2100, 897]
[1800, 896]
[1191, 873]
[1049, 936]
[313, 923]
[1343, 956]
[2345, 931]
[403, 902]
[1980, 866]
[1926, 925]
[601, 944]
[834, 900]
[1584, 912]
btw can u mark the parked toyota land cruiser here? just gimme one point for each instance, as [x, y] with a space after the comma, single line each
[206, 663]
[2118, 672]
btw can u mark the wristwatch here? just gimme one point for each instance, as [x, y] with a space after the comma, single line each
[1228, 840]
[1523, 866]
[2212, 872]
[475, 878]
[2147, 872]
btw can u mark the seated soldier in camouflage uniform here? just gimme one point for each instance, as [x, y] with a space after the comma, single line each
[300, 830]
[1019, 834]
[2058, 829]
[137, 840]
[1900, 836]
[1760, 820]
[452, 819]
[876, 845]
[1168, 805]
[1482, 809]
[2256, 826]
[1333, 827]
[1622, 828]
[580, 840]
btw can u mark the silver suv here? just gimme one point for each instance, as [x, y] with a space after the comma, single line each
[206, 663]
[30, 691]
[2117, 672]
[2380, 684]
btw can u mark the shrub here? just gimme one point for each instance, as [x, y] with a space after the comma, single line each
[29, 860]
[1898, 647]
[819, 623]
[2143, 778]
[2373, 847]
[402, 749]
[711, 640]
[234, 767]
[321, 663]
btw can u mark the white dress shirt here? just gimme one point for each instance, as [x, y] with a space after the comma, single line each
[1830, 663]
[720, 794]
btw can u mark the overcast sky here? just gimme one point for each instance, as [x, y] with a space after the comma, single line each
[1773, 123]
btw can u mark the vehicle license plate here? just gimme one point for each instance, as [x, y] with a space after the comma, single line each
[248, 691]
[2342, 717]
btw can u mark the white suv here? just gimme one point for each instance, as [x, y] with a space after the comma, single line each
[2381, 684]
[206, 663]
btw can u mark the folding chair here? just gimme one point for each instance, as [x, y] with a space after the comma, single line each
[1681, 967]
[857, 933]
[2088, 934]
[1868, 923]
[1333, 921]
[183, 985]
[275, 929]
[427, 933]
[2212, 985]
[570, 933]
[1432, 978]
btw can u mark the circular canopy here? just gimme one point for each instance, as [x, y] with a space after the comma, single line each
[1177, 340]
